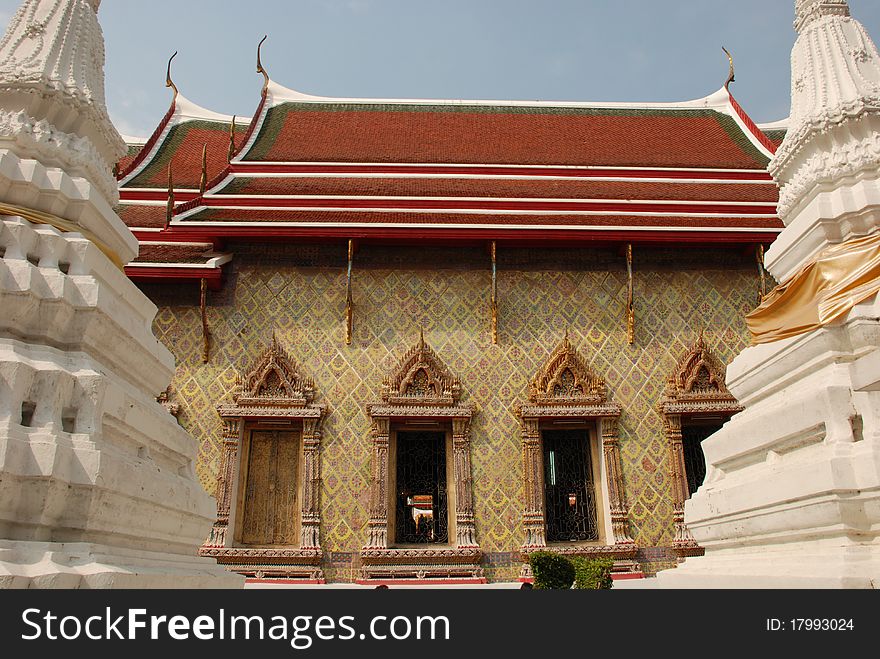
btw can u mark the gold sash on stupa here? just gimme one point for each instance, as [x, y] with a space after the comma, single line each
[830, 285]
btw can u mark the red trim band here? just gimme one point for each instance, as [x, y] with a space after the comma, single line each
[197, 233]
[156, 195]
[753, 128]
[170, 273]
[256, 168]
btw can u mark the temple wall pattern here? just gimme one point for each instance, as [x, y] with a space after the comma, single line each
[300, 294]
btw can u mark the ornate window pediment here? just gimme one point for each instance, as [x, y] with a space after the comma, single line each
[698, 385]
[566, 379]
[421, 379]
[273, 382]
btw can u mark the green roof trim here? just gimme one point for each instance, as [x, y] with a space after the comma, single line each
[235, 186]
[158, 166]
[742, 140]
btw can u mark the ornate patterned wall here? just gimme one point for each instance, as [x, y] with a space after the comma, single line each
[299, 292]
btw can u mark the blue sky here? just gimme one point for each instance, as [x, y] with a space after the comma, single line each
[583, 50]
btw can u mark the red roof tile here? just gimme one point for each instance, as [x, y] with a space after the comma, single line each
[129, 157]
[167, 253]
[776, 136]
[503, 135]
[144, 217]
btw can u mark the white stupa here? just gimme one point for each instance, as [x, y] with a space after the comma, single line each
[97, 486]
[792, 491]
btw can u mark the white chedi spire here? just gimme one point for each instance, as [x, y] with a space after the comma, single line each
[807, 11]
[835, 90]
[52, 106]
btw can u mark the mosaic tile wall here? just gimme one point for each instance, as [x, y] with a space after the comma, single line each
[300, 294]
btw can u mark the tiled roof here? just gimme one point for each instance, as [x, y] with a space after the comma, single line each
[183, 149]
[174, 253]
[549, 188]
[142, 216]
[336, 168]
[650, 137]
[776, 136]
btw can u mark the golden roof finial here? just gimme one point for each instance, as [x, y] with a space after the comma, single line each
[730, 76]
[260, 68]
[421, 337]
[168, 81]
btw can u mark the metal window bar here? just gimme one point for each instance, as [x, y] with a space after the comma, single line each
[569, 492]
[422, 511]
[692, 437]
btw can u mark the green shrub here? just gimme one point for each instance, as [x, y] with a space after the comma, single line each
[552, 571]
[592, 573]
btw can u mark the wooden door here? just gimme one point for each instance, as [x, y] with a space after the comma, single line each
[270, 501]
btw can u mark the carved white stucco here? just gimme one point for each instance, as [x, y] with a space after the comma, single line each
[835, 92]
[52, 84]
[97, 485]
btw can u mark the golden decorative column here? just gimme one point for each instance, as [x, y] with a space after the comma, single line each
[464, 497]
[683, 540]
[378, 524]
[231, 433]
[533, 469]
[311, 512]
[617, 499]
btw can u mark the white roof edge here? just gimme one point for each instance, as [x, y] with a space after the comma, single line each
[280, 94]
[186, 109]
[781, 124]
[131, 140]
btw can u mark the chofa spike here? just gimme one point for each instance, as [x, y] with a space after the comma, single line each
[260, 68]
[230, 154]
[730, 75]
[203, 182]
[169, 207]
[168, 81]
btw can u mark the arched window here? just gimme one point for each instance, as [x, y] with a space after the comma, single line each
[696, 405]
[268, 515]
[569, 432]
[421, 498]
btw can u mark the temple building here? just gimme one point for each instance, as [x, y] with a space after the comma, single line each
[418, 340]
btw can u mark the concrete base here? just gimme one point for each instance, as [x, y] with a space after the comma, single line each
[84, 565]
[801, 565]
